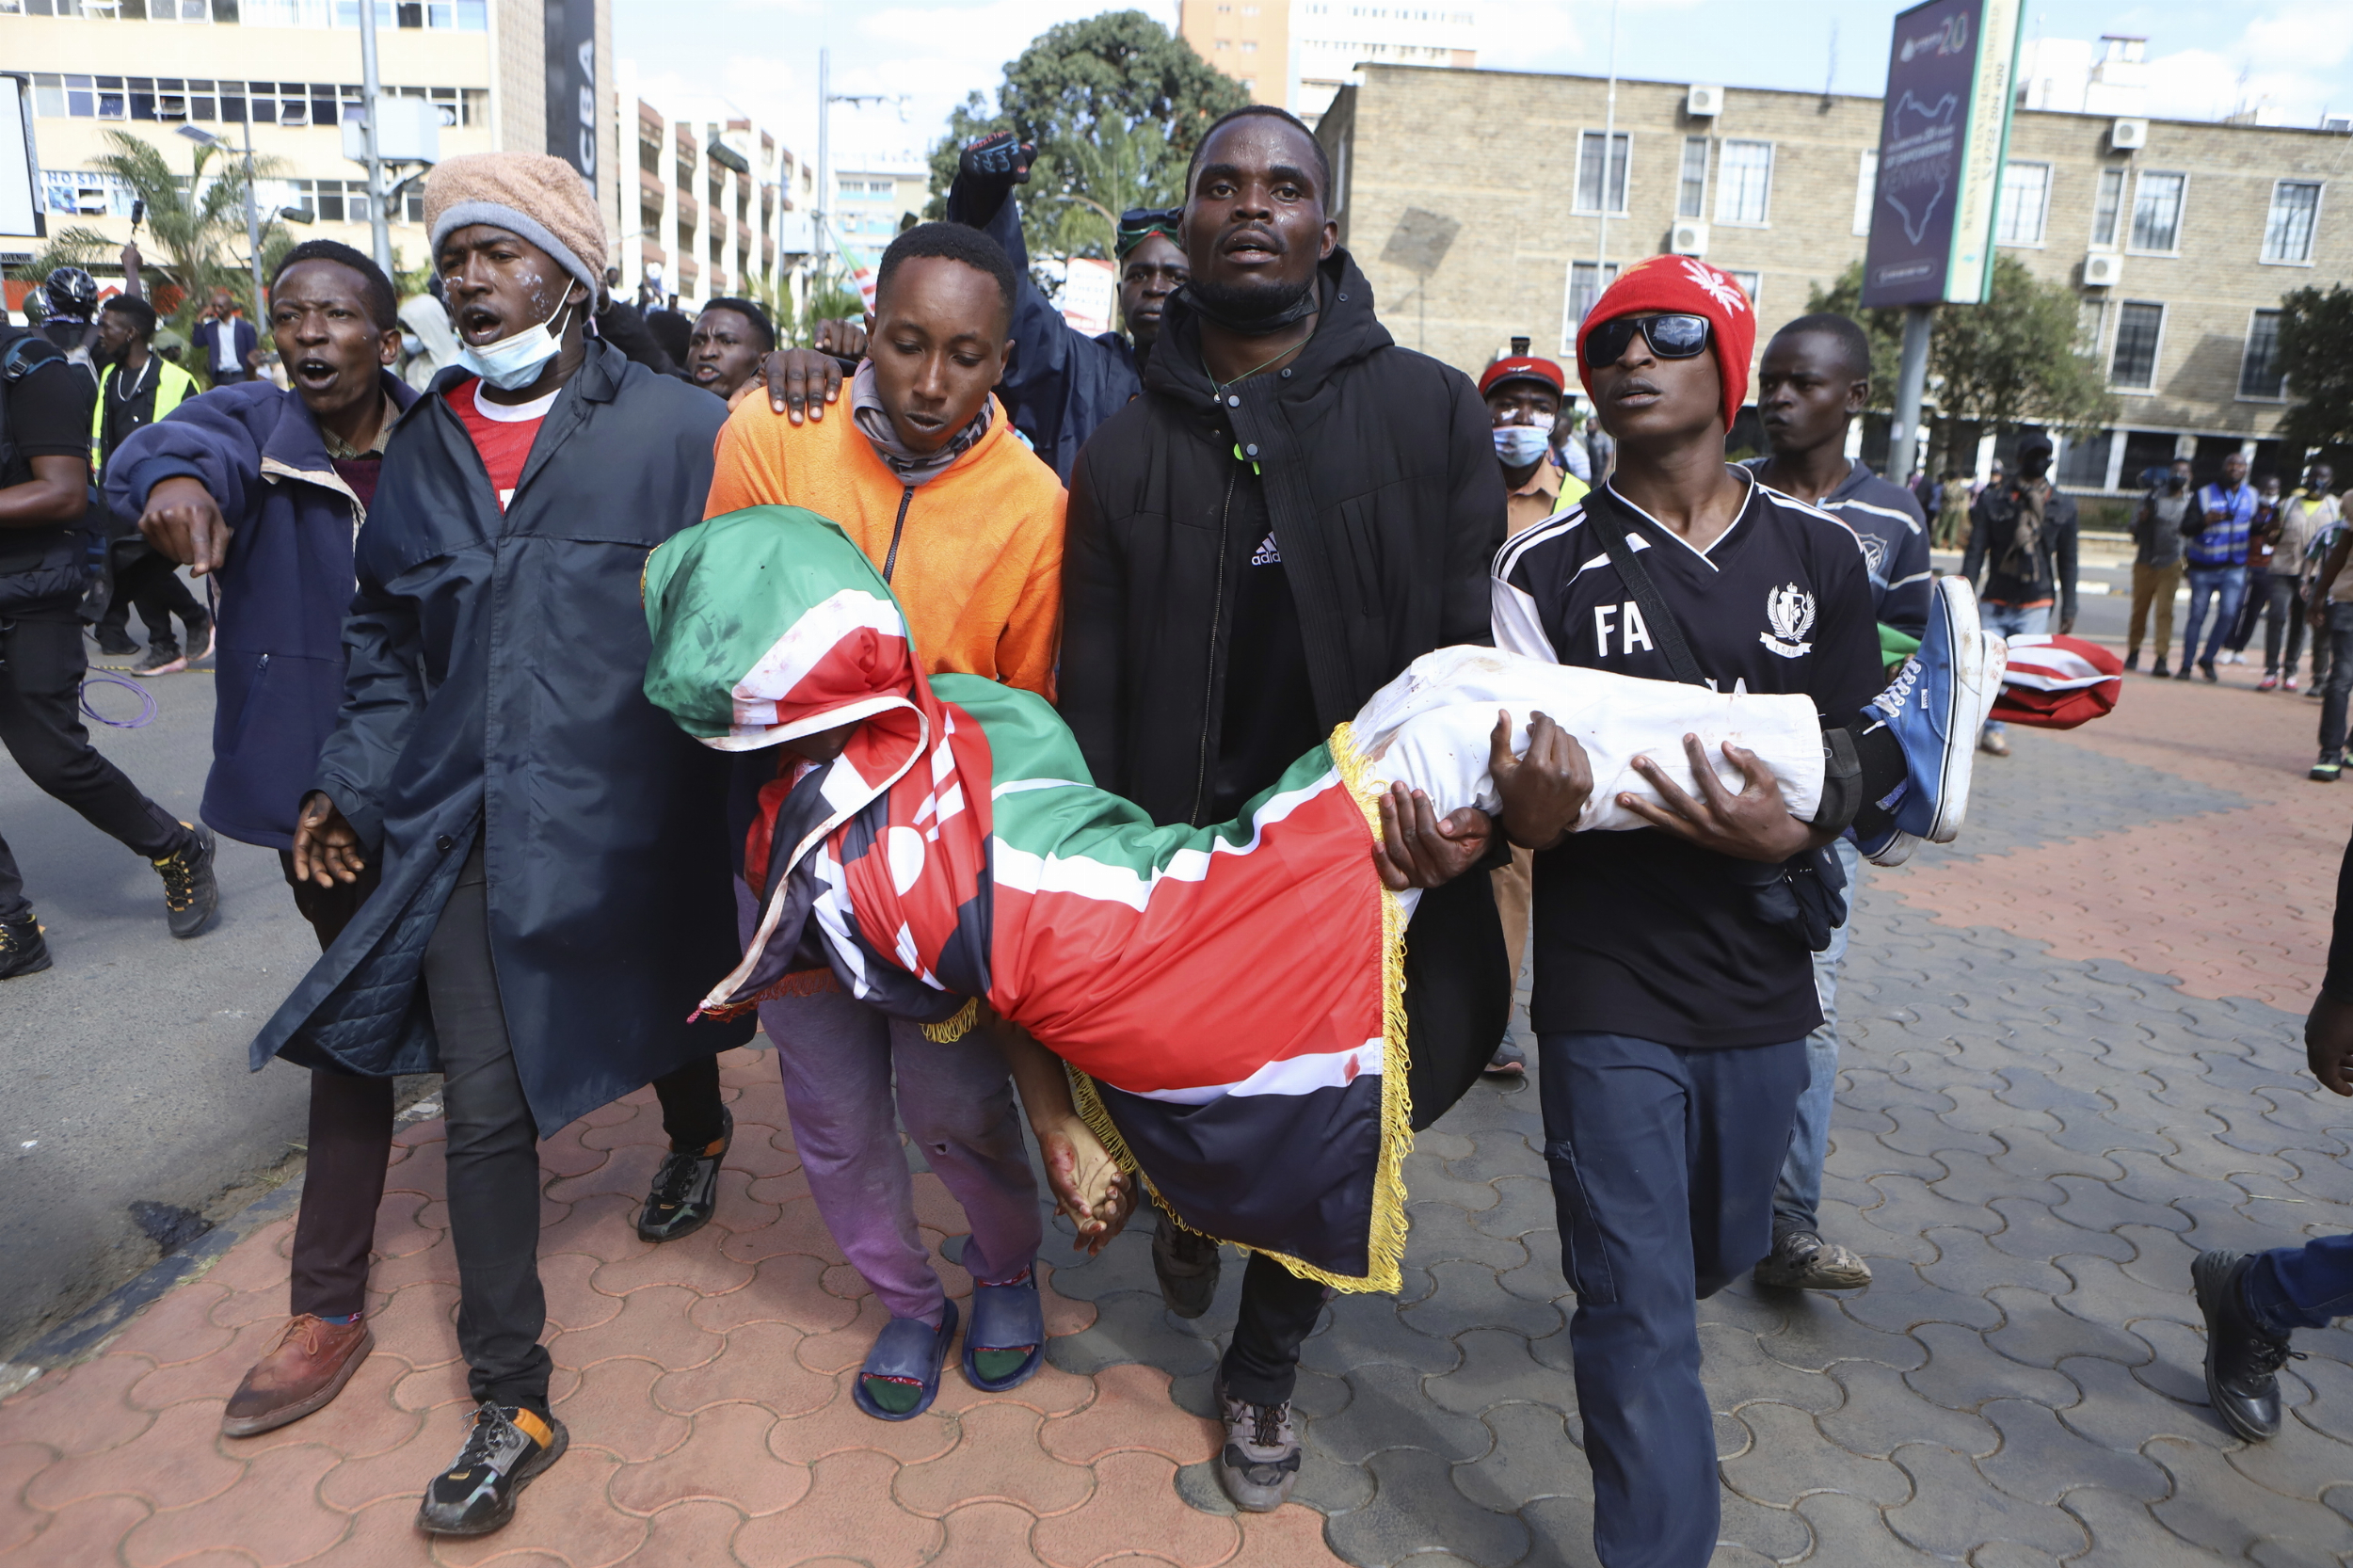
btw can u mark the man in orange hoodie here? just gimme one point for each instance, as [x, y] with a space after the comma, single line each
[927, 477]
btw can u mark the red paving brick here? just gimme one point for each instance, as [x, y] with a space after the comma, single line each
[706, 1386]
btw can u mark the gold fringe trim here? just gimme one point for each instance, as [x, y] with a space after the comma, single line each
[949, 1029]
[1385, 1244]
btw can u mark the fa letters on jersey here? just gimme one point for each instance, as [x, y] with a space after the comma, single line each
[1626, 620]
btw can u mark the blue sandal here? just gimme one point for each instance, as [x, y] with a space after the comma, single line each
[1005, 1318]
[908, 1351]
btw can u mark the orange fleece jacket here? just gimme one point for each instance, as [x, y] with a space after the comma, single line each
[979, 565]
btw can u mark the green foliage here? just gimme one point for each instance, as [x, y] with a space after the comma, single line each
[193, 220]
[2316, 354]
[75, 247]
[1115, 106]
[1991, 366]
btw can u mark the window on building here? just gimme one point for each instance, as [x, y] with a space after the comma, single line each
[1744, 182]
[2134, 364]
[1866, 190]
[2107, 207]
[2258, 373]
[2091, 318]
[1249, 46]
[1586, 282]
[1750, 282]
[2157, 212]
[2025, 196]
[2083, 463]
[1691, 186]
[2288, 233]
[1590, 191]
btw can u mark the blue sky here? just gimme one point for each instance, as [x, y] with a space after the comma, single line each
[762, 55]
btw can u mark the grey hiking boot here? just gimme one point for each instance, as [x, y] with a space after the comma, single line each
[1186, 1264]
[1801, 1260]
[1260, 1459]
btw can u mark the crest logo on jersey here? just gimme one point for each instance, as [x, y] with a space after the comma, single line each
[1790, 613]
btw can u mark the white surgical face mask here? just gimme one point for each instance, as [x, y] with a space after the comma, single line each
[1518, 445]
[512, 364]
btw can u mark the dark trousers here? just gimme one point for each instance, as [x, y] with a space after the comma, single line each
[2306, 1287]
[41, 665]
[2250, 609]
[1663, 1161]
[2339, 641]
[1457, 1003]
[493, 1153]
[151, 585]
[351, 1141]
[2283, 617]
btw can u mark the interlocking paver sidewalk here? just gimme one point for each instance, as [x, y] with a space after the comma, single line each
[2072, 1061]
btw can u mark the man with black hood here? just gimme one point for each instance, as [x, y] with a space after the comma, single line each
[1293, 511]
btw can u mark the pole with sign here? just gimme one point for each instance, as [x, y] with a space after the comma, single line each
[1944, 140]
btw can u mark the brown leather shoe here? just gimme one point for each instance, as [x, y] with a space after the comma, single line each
[307, 1367]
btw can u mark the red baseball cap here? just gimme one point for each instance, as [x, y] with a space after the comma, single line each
[1523, 367]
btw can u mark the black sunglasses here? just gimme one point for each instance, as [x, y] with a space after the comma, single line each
[1670, 336]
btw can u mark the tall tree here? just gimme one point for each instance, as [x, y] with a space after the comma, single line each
[2018, 357]
[2317, 356]
[1115, 106]
[195, 219]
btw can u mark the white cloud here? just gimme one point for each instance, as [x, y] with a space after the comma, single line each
[2280, 65]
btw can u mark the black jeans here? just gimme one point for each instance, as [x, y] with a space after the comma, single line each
[351, 1141]
[493, 1153]
[2283, 615]
[151, 585]
[2339, 640]
[41, 665]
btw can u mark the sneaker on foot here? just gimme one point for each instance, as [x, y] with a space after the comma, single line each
[1186, 1263]
[1892, 846]
[2325, 769]
[2243, 1358]
[1260, 1459]
[114, 647]
[509, 1448]
[1801, 1260]
[1993, 743]
[202, 634]
[191, 896]
[2159, 670]
[160, 658]
[23, 949]
[1937, 701]
[307, 1367]
[1508, 1062]
[2289, 683]
[685, 1190]
[2132, 661]
[2184, 672]
[2205, 667]
[2269, 684]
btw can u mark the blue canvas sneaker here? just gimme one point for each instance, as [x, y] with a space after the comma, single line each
[1935, 706]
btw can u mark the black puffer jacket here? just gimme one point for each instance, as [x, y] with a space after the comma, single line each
[1386, 502]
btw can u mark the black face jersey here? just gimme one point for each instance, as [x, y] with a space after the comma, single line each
[1639, 933]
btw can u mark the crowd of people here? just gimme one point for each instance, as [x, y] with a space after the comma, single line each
[574, 689]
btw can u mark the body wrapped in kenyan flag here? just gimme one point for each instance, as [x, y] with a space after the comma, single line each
[1227, 997]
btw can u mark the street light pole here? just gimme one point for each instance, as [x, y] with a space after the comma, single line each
[253, 223]
[378, 226]
[1906, 450]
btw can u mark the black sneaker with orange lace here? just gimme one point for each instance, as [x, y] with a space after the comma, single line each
[685, 1189]
[23, 949]
[509, 1448]
[191, 897]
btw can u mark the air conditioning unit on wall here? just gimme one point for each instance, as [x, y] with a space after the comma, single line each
[1703, 103]
[2103, 270]
[1689, 239]
[2127, 135]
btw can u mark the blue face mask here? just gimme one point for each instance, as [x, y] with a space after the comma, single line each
[512, 364]
[1518, 445]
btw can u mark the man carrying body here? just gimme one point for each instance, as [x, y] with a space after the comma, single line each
[2218, 531]
[227, 342]
[2303, 517]
[44, 479]
[137, 388]
[2158, 528]
[1671, 1013]
[2021, 536]
[1523, 396]
[1293, 511]
[263, 490]
[928, 479]
[554, 893]
[1814, 379]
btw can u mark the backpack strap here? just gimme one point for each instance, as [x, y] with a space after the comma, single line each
[1612, 517]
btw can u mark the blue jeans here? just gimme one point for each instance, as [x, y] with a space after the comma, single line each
[2306, 1287]
[2011, 620]
[2225, 586]
[1798, 1194]
[1662, 1163]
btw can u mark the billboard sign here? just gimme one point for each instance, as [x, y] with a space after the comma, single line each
[571, 51]
[20, 215]
[1944, 139]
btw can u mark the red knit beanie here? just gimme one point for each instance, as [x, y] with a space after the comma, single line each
[1689, 284]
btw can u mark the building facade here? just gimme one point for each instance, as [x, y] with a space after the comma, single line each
[2178, 237]
[149, 67]
[1299, 54]
[708, 196]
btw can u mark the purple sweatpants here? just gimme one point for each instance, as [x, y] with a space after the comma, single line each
[839, 1058]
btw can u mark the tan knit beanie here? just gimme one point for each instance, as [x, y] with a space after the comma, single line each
[540, 196]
